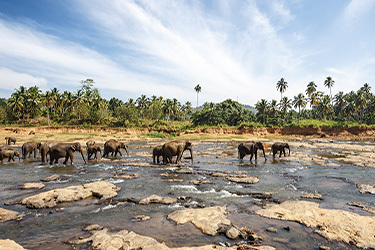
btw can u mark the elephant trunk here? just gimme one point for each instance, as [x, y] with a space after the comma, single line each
[83, 157]
[126, 149]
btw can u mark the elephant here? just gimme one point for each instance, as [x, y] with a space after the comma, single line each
[9, 154]
[29, 147]
[43, 150]
[66, 150]
[90, 143]
[279, 146]
[6, 147]
[115, 147]
[250, 148]
[157, 152]
[10, 139]
[177, 148]
[93, 150]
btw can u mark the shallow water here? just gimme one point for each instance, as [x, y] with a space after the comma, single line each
[49, 229]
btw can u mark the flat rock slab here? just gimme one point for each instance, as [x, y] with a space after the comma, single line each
[366, 189]
[33, 185]
[312, 196]
[332, 224]
[244, 179]
[206, 219]
[99, 189]
[104, 240]
[157, 199]
[54, 177]
[6, 215]
[10, 245]
[127, 176]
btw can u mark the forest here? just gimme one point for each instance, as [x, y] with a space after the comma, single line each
[86, 108]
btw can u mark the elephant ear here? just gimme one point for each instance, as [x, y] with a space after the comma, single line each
[72, 147]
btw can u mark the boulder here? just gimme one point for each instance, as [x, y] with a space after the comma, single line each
[6, 215]
[206, 219]
[366, 189]
[33, 185]
[10, 245]
[99, 189]
[233, 233]
[332, 224]
[158, 199]
[54, 177]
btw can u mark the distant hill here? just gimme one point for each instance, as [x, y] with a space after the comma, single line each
[248, 107]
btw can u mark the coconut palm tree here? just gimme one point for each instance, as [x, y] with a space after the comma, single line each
[281, 86]
[325, 107]
[339, 104]
[299, 102]
[197, 89]
[329, 84]
[262, 107]
[167, 107]
[310, 90]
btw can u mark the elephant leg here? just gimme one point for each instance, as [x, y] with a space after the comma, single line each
[284, 151]
[71, 158]
[274, 152]
[157, 159]
[281, 151]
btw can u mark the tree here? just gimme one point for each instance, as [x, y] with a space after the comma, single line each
[281, 86]
[299, 102]
[329, 84]
[197, 89]
[310, 91]
[262, 107]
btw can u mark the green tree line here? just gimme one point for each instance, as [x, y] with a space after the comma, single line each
[87, 107]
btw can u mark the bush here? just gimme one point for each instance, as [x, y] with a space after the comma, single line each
[156, 135]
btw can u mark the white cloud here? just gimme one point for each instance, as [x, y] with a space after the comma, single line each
[13, 79]
[356, 9]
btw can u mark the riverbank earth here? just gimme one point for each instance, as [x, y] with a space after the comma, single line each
[321, 196]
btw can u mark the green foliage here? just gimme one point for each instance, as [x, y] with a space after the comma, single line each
[156, 135]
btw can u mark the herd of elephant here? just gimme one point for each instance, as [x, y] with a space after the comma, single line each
[166, 151]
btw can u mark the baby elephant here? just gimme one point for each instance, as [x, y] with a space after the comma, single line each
[279, 146]
[93, 150]
[9, 154]
[9, 140]
[157, 152]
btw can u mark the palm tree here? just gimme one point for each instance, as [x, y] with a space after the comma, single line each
[281, 86]
[34, 99]
[262, 106]
[325, 107]
[339, 104]
[360, 102]
[299, 102]
[285, 104]
[310, 90]
[15, 103]
[197, 89]
[329, 84]
[167, 108]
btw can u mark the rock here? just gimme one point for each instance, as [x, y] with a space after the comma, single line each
[332, 224]
[6, 215]
[173, 180]
[282, 240]
[232, 233]
[324, 248]
[312, 196]
[100, 189]
[198, 182]
[9, 245]
[103, 240]
[33, 186]
[365, 208]
[271, 230]
[244, 179]
[206, 219]
[141, 217]
[158, 199]
[93, 227]
[128, 176]
[366, 189]
[54, 177]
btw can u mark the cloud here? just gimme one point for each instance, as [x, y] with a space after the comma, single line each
[13, 79]
[356, 9]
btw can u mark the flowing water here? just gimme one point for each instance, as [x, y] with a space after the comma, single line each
[50, 228]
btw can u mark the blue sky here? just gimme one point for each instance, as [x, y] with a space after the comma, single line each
[233, 49]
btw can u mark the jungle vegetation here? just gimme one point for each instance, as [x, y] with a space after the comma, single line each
[85, 107]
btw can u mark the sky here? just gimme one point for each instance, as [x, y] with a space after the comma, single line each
[235, 49]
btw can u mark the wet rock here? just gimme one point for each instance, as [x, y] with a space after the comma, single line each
[141, 217]
[54, 177]
[312, 196]
[198, 182]
[100, 189]
[271, 230]
[10, 245]
[332, 224]
[158, 199]
[233, 233]
[173, 180]
[128, 176]
[93, 227]
[219, 175]
[324, 248]
[6, 215]
[103, 240]
[184, 171]
[366, 189]
[365, 208]
[244, 179]
[206, 219]
[33, 186]
[166, 174]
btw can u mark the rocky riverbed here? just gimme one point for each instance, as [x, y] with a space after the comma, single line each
[322, 195]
